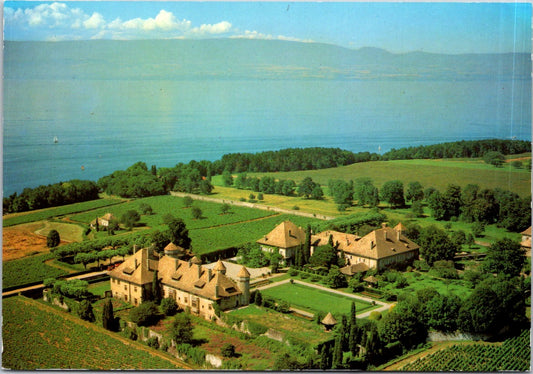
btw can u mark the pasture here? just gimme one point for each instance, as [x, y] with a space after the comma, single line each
[315, 300]
[37, 336]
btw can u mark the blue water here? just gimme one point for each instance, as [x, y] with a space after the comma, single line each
[106, 125]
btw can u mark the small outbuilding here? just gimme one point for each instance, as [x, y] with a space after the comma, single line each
[329, 321]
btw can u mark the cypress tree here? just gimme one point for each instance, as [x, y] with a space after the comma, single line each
[352, 340]
[258, 298]
[344, 333]
[353, 320]
[156, 289]
[307, 246]
[337, 354]
[97, 227]
[108, 318]
[324, 357]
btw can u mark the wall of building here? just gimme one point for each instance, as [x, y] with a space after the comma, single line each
[126, 291]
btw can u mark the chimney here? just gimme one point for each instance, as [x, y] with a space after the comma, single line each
[135, 248]
[383, 225]
[398, 235]
[216, 290]
[385, 234]
[209, 275]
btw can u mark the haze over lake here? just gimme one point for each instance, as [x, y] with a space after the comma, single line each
[113, 103]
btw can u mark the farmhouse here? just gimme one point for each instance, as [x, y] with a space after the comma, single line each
[103, 221]
[379, 249]
[189, 284]
[285, 238]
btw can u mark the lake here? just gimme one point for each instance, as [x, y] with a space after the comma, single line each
[105, 124]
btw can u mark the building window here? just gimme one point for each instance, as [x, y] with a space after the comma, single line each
[135, 301]
[125, 287]
[135, 289]
[126, 297]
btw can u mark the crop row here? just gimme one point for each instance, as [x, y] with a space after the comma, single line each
[513, 354]
[28, 270]
[210, 239]
[34, 338]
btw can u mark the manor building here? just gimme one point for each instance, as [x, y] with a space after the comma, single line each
[190, 284]
[285, 239]
[379, 249]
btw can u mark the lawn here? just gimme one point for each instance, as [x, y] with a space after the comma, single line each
[42, 214]
[315, 300]
[99, 288]
[67, 231]
[37, 336]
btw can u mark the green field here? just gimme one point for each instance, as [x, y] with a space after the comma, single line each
[28, 270]
[39, 215]
[36, 336]
[314, 300]
[430, 173]
[163, 205]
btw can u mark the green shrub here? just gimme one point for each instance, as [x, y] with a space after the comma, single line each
[256, 328]
[228, 350]
[145, 314]
[153, 342]
[169, 306]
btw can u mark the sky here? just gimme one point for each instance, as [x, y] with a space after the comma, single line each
[397, 27]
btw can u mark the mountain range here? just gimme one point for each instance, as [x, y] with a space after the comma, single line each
[247, 59]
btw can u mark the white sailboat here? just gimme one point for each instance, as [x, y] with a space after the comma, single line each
[56, 140]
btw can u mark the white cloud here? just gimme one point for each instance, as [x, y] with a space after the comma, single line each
[257, 35]
[56, 21]
[164, 21]
[218, 28]
[94, 22]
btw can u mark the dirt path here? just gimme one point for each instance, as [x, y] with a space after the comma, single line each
[48, 309]
[251, 205]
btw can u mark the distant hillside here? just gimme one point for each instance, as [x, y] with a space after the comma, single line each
[247, 59]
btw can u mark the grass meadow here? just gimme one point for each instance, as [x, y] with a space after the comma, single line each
[430, 173]
[37, 336]
[315, 300]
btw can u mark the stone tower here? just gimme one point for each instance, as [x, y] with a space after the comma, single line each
[243, 281]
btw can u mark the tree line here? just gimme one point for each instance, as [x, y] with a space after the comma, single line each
[195, 177]
[286, 187]
[62, 193]
[470, 204]
[460, 149]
